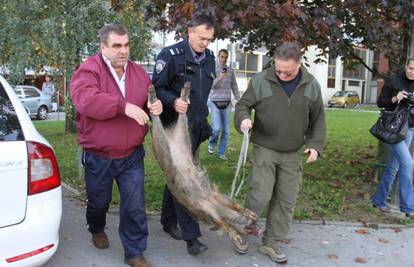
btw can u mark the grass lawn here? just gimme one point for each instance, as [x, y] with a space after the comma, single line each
[337, 187]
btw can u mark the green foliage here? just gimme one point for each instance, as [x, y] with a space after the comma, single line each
[337, 187]
[61, 33]
[334, 26]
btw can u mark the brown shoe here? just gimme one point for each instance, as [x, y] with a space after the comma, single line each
[100, 240]
[276, 254]
[138, 262]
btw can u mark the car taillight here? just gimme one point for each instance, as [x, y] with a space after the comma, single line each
[43, 168]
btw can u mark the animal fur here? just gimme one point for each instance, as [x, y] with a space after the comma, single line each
[189, 183]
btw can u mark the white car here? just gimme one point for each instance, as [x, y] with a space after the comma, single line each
[31, 194]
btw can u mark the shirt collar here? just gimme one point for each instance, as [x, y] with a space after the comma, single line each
[196, 57]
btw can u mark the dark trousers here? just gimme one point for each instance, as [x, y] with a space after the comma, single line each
[172, 211]
[129, 175]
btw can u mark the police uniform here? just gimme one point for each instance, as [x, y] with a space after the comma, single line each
[176, 65]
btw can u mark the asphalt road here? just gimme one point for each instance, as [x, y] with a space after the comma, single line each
[311, 244]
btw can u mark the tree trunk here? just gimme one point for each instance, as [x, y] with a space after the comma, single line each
[70, 126]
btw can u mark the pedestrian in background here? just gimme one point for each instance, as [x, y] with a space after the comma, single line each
[400, 160]
[289, 114]
[186, 61]
[220, 104]
[48, 87]
[110, 93]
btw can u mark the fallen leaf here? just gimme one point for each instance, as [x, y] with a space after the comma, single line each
[286, 241]
[397, 229]
[361, 260]
[383, 240]
[362, 231]
[364, 223]
[333, 257]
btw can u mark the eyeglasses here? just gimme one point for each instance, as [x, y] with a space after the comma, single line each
[286, 73]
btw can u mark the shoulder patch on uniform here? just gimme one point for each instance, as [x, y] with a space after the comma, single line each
[159, 66]
[175, 51]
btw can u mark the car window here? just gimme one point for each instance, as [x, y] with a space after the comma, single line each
[339, 93]
[10, 129]
[19, 92]
[30, 92]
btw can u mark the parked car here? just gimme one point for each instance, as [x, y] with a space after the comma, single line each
[30, 195]
[344, 99]
[35, 101]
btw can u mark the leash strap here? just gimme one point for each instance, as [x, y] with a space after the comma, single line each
[235, 190]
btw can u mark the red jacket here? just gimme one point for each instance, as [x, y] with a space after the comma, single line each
[101, 121]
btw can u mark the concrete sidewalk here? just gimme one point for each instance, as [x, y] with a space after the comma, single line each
[311, 244]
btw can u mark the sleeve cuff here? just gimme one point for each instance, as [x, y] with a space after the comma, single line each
[121, 106]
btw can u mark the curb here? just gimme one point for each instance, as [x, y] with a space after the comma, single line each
[71, 189]
[355, 224]
[375, 226]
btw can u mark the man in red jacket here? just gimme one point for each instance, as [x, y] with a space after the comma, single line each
[110, 95]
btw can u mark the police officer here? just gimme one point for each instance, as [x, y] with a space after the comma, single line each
[188, 60]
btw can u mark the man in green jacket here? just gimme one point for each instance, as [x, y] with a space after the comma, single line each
[289, 114]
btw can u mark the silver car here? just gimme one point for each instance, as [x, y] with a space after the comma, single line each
[35, 101]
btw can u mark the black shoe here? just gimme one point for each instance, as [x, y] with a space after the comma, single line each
[195, 247]
[174, 232]
[410, 215]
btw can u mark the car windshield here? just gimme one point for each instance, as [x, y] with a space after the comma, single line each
[10, 129]
[340, 93]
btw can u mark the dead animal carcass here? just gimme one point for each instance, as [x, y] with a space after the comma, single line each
[189, 183]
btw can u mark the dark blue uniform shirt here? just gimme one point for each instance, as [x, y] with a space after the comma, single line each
[176, 65]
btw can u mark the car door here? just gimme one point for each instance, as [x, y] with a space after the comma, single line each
[20, 95]
[31, 99]
[356, 99]
[13, 165]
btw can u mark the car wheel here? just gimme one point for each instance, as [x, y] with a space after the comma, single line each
[346, 105]
[42, 113]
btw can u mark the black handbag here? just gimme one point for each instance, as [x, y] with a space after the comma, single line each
[392, 126]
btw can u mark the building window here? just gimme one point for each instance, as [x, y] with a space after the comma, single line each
[353, 83]
[352, 68]
[331, 72]
[375, 63]
[331, 82]
[248, 63]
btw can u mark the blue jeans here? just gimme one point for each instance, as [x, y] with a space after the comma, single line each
[399, 161]
[220, 122]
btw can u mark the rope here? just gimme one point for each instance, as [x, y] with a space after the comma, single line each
[235, 190]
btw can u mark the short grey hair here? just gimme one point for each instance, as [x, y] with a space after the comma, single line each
[109, 28]
[202, 19]
[287, 51]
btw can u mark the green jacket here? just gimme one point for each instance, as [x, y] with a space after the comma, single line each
[283, 123]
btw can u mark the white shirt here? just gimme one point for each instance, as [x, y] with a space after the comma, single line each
[120, 82]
